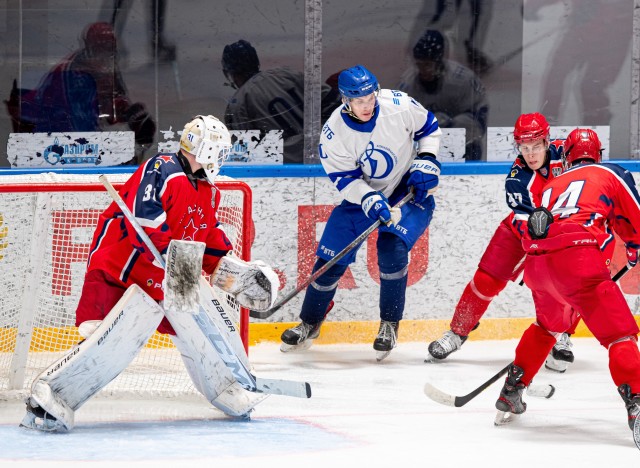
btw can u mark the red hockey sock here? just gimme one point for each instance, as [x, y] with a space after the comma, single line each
[574, 325]
[624, 364]
[532, 351]
[474, 301]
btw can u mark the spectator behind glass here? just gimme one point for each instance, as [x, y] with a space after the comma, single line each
[450, 90]
[269, 100]
[83, 93]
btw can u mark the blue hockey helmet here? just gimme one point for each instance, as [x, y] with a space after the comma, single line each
[357, 82]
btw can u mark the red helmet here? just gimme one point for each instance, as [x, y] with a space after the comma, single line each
[530, 127]
[582, 143]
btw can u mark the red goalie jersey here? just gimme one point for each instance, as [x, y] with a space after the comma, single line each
[169, 203]
[587, 203]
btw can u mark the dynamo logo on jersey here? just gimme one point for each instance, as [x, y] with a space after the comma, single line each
[376, 162]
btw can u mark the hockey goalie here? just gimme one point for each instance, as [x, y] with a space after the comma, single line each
[165, 214]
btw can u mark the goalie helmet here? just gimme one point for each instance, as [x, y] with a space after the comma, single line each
[356, 82]
[530, 127]
[209, 141]
[582, 143]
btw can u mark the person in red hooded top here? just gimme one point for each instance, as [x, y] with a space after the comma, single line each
[568, 240]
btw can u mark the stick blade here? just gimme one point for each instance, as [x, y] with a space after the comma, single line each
[439, 396]
[284, 387]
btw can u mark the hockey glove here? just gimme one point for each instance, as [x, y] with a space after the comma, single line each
[632, 256]
[423, 176]
[376, 206]
[253, 284]
[141, 123]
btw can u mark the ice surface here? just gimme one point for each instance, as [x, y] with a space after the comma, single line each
[361, 414]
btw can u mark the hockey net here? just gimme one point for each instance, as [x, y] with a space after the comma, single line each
[46, 226]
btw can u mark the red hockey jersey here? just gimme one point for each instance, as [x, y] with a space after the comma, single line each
[166, 204]
[588, 202]
[524, 186]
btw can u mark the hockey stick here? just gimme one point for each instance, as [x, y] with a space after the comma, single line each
[542, 391]
[240, 372]
[437, 395]
[320, 271]
[621, 272]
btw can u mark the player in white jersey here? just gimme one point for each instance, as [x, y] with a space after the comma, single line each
[368, 150]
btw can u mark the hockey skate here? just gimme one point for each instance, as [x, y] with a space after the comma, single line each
[510, 404]
[442, 347]
[37, 418]
[386, 339]
[300, 337]
[561, 355]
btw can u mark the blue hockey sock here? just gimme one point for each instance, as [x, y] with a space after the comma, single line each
[320, 293]
[393, 261]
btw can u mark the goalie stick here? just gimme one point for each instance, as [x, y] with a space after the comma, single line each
[320, 271]
[437, 395]
[240, 372]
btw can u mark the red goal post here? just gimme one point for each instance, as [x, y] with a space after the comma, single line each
[46, 227]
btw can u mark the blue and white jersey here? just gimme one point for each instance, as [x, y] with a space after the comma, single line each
[375, 155]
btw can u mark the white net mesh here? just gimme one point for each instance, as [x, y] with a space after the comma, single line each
[45, 234]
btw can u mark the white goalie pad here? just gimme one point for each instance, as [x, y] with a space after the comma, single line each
[211, 376]
[207, 337]
[253, 284]
[93, 363]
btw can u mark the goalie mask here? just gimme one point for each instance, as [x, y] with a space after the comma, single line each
[209, 141]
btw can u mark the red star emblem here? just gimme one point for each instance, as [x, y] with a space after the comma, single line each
[190, 231]
[166, 158]
[557, 143]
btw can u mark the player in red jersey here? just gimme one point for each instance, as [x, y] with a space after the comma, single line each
[538, 161]
[172, 196]
[568, 238]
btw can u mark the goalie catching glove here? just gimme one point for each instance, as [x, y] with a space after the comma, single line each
[254, 285]
[423, 176]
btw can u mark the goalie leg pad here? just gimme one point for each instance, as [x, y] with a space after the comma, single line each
[254, 285]
[211, 376]
[93, 363]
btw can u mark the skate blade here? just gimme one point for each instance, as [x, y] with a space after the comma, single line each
[30, 421]
[636, 432]
[504, 417]
[430, 359]
[287, 348]
[380, 355]
[556, 366]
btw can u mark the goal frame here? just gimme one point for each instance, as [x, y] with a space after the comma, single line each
[24, 327]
